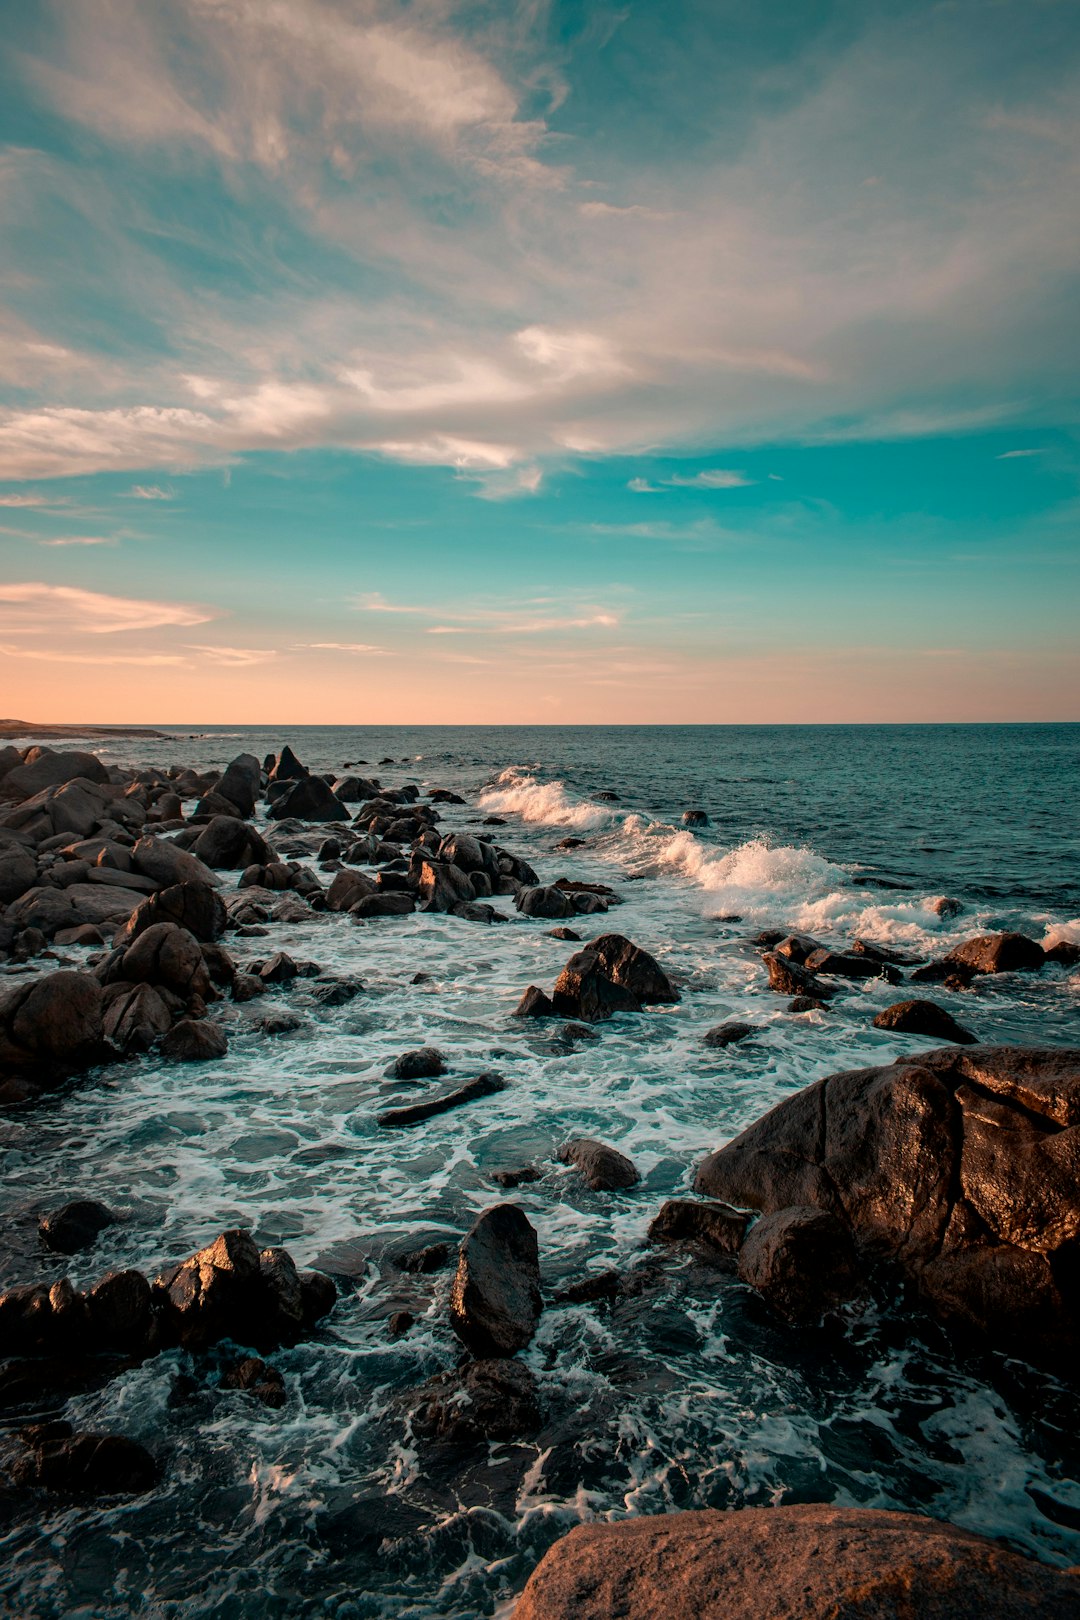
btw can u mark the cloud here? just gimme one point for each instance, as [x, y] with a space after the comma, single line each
[151, 492]
[337, 646]
[234, 657]
[32, 500]
[1014, 455]
[81, 540]
[711, 478]
[35, 608]
[152, 660]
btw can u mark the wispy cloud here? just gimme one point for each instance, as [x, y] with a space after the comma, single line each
[31, 500]
[337, 646]
[710, 478]
[234, 657]
[81, 540]
[39, 655]
[36, 608]
[151, 492]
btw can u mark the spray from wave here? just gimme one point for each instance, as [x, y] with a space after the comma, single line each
[548, 802]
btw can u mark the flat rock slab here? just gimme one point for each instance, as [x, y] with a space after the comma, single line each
[805, 1562]
[485, 1085]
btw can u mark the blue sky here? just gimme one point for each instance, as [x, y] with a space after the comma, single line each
[556, 362]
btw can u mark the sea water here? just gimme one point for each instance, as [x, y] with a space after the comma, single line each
[683, 1393]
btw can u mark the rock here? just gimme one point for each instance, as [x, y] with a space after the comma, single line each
[484, 1085]
[534, 1004]
[158, 859]
[495, 1302]
[52, 1025]
[241, 783]
[75, 1226]
[425, 1063]
[792, 947]
[383, 905]
[18, 871]
[944, 906]
[195, 907]
[882, 953]
[924, 1018]
[278, 969]
[335, 992]
[563, 933]
[850, 965]
[600, 1285]
[493, 1399]
[729, 1034]
[400, 1324]
[253, 1375]
[230, 844]
[136, 1016]
[544, 902]
[787, 978]
[87, 1465]
[309, 799]
[165, 955]
[691, 1220]
[286, 767]
[802, 1260]
[805, 1004]
[602, 1168]
[85, 934]
[806, 1561]
[441, 886]
[633, 969]
[515, 1178]
[194, 1040]
[347, 888]
[961, 1166]
[281, 1023]
[695, 818]
[421, 1262]
[584, 990]
[1065, 953]
[54, 909]
[997, 953]
[120, 1312]
[230, 1291]
[51, 769]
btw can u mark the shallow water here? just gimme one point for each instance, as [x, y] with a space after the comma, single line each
[687, 1394]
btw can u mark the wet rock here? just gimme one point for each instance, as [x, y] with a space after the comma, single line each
[383, 905]
[795, 947]
[729, 1034]
[194, 1040]
[788, 978]
[400, 1324]
[516, 1178]
[308, 799]
[534, 1004]
[800, 1562]
[1066, 953]
[286, 767]
[495, 1302]
[997, 953]
[278, 969]
[281, 1023]
[801, 1260]
[18, 871]
[695, 818]
[425, 1063]
[692, 1220]
[960, 1165]
[850, 965]
[256, 1378]
[85, 934]
[335, 992]
[544, 902]
[600, 1285]
[433, 1257]
[883, 953]
[484, 1085]
[86, 1465]
[347, 888]
[805, 1004]
[51, 769]
[492, 1399]
[230, 1291]
[120, 1310]
[573, 1034]
[633, 969]
[83, 903]
[52, 1025]
[136, 1016]
[195, 907]
[165, 955]
[584, 990]
[441, 886]
[601, 1167]
[75, 1226]
[227, 843]
[944, 906]
[563, 933]
[924, 1018]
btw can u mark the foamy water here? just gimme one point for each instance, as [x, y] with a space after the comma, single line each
[688, 1394]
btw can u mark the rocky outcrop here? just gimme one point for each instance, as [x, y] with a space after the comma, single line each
[697, 1220]
[49, 768]
[231, 1290]
[961, 1166]
[601, 1167]
[57, 1459]
[804, 1562]
[227, 843]
[195, 907]
[611, 975]
[495, 1301]
[167, 864]
[309, 799]
[789, 978]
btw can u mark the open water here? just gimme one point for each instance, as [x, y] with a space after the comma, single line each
[685, 1394]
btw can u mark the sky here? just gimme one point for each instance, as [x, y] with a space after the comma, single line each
[368, 362]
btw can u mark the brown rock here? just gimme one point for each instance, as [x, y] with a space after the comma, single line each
[495, 1302]
[801, 1260]
[997, 953]
[804, 1562]
[602, 1168]
[485, 1400]
[924, 1018]
[53, 1023]
[693, 1220]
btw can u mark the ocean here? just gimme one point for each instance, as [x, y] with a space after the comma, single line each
[686, 1392]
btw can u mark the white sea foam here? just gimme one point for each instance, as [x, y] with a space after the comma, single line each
[548, 802]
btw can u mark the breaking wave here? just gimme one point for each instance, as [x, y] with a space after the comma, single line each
[523, 795]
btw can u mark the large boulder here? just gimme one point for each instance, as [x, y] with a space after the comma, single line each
[231, 1290]
[195, 907]
[347, 888]
[168, 865]
[167, 955]
[51, 769]
[584, 990]
[227, 843]
[803, 1562]
[960, 1166]
[241, 783]
[286, 767]
[18, 871]
[80, 1465]
[633, 969]
[544, 901]
[441, 886]
[495, 1301]
[309, 799]
[801, 1260]
[76, 808]
[52, 1024]
[136, 1015]
[73, 907]
[997, 953]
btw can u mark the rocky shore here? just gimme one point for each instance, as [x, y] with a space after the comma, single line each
[139, 909]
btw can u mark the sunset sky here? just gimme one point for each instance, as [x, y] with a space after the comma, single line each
[548, 362]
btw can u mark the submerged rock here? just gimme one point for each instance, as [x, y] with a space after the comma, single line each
[602, 1168]
[84, 1464]
[484, 1085]
[729, 1034]
[491, 1399]
[75, 1226]
[803, 1562]
[693, 1220]
[424, 1063]
[788, 978]
[495, 1302]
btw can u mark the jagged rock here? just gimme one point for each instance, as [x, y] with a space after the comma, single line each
[241, 783]
[729, 1034]
[960, 1165]
[442, 887]
[194, 1040]
[850, 965]
[75, 1226]
[425, 1063]
[167, 955]
[692, 1220]
[422, 1262]
[493, 1399]
[195, 907]
[257, 1378]
[602, 1168]
[347, 888]
[286, 767]
[534, 1004]
[788, 978]
[628, 966]
[158, 859]
[801, 1260]
[584, 990]
[563, 933]
[800, 1562]
[924, 1018]
[997, 953]
[495, 1302]
[230, 1291]
[309, 799]
[1065, 953]
[228, 843]
[85, 1464]
[484, 1085]
[51, 1024]
[136, 1016]
[120, 1311]
[469, 854]
[83, 903]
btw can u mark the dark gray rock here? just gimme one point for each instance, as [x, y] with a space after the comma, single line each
[75, 1226]
[495, 1302]
[801, 1260]
[601, 1167]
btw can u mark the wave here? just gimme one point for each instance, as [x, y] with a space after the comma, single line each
[523, 795]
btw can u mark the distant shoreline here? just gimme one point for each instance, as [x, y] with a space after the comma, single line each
[26, 728]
